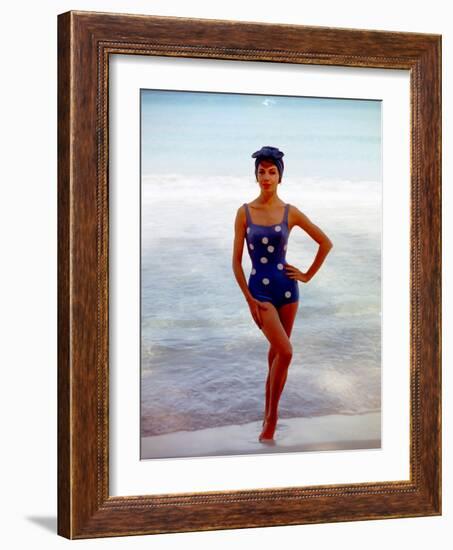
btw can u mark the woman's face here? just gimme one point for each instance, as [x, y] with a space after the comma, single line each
[267, 175]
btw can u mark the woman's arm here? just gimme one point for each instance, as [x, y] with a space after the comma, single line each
[238, 248]
[325, 245]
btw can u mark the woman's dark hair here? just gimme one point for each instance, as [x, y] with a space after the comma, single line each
[271, 154]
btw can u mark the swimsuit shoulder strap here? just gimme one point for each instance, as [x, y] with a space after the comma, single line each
[247, 213]
[286, 213]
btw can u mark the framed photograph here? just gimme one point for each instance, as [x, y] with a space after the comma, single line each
[249, 275]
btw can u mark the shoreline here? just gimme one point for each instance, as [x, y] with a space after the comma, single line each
[314, 434]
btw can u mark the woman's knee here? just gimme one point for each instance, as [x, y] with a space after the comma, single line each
[285, 351]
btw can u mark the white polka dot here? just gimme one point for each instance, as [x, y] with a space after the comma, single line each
[248, 229]
[266, 281]
[285, 247]
[278, 228]
[270, 248]
[253, 271]
[263, 260]
[264, 240]
[280, 266]
[251, 246]
[287, 294]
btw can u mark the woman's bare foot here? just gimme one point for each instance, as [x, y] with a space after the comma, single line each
[267, 434]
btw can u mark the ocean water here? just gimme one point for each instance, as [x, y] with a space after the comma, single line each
[204, 133]
[203, 360]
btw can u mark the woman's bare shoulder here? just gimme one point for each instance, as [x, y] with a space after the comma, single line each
[293, 209]
[296, 212]
[240, 214]
[297, 217]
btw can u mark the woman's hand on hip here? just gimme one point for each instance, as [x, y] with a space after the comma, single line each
[293, 273]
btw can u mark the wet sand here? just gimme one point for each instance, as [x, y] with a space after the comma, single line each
[320, 433]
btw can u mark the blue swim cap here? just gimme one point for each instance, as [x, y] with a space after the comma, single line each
[272, 154]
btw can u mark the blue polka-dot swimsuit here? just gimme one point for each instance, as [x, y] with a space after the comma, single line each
[267, 246]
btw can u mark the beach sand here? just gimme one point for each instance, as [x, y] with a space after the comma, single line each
[319, 433]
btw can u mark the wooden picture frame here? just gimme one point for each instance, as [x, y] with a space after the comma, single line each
[85, 41]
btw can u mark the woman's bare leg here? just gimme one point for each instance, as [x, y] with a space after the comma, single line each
[287, 314]
[270, 360]
[274, 331]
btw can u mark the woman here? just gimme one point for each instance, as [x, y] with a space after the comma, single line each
[272, 291]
